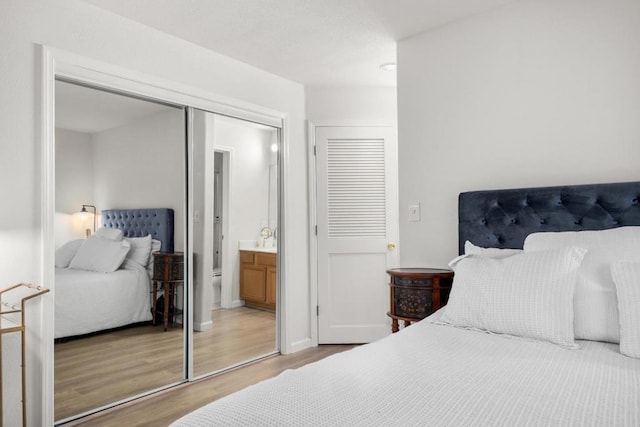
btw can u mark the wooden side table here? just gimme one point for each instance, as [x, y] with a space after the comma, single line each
[416, 293]
[168, 271]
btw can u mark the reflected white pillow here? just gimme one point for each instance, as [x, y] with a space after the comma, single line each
[66, 252]
[100, 255]
[110, 233]
[156, 245]
[140, 249]
[626, 275]
[595, 303]
[528, 295]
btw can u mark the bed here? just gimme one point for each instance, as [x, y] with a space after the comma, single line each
[104, 282]
[529, 336]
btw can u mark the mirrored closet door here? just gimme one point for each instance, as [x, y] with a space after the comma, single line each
[235, 241]
[167, 237]
[119, 233]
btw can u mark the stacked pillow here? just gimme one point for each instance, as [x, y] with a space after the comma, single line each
[626, 275]
[106, 251]
[100, 255]
[593, 274]
[595, 301]
[66, 252]
[510, 294]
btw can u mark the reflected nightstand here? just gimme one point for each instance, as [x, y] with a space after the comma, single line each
[168, 274]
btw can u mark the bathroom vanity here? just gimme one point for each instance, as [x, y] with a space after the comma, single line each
[258, 278]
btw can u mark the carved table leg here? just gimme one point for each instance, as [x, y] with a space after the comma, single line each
[167, 296]
[153, 303]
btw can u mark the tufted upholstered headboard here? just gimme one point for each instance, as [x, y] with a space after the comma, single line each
[504, 218]
[140, 222]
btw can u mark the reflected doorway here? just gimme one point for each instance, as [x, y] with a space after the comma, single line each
[236, 199]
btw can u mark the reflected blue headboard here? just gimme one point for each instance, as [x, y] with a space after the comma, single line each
[140, 222]
[504, 218]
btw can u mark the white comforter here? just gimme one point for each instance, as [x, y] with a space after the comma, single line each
[433, 375]
[87, 302]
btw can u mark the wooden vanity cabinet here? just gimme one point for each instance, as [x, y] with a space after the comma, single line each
[258, 279]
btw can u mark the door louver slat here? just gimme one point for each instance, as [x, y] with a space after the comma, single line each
[356, 189]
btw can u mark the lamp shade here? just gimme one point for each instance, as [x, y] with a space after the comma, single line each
[85, 212]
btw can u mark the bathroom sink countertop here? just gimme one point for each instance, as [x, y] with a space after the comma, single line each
[252, 245]
[267, 250]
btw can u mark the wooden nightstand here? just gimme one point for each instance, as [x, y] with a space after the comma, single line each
[416, 293]
[168, 271]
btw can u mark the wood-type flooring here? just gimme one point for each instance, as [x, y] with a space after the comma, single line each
[97, 370]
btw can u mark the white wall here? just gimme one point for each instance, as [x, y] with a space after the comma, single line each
[365, 103]
[535, 93]
[248, 187]
[142, 165]
[74, 183]
[89, 31]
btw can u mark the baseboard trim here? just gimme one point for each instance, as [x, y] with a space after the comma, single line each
[300, 345]
[203, 326]
[237, 303]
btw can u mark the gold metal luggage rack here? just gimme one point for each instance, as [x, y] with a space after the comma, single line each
[8, 324]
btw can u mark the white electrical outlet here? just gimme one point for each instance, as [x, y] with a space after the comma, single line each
[414, 213]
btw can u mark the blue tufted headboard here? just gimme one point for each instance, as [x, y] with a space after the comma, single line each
[504, 218]
[140, 222]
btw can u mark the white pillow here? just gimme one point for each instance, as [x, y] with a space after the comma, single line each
[471, 249]
[100, 254]
[66, 252]
[626, 275]
[595, 303]
[156, 245]
[110, 233]
[140, 249]
[528, 295]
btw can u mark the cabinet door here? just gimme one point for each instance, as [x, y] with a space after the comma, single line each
[272, 281]
[252, 280]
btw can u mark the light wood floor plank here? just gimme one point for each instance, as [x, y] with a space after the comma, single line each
[164, 408]
[98, 370]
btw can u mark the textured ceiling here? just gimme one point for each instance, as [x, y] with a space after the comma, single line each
[314, 42]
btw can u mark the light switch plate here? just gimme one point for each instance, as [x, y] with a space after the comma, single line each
[414, 212]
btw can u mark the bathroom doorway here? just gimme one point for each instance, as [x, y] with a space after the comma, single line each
[235, 242]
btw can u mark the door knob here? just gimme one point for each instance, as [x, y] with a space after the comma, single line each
[391, 246]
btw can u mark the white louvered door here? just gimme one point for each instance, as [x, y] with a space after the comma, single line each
[357, 218]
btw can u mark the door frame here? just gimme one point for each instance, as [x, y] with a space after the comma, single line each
[56, 63]
[313, 204]
[226, 285]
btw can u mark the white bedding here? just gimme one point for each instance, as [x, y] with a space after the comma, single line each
[439, 375]
[87, 301]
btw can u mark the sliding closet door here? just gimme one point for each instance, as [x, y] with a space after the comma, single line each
[234, 221]
[119, 153]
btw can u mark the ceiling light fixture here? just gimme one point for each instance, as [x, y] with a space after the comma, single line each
[389, 66]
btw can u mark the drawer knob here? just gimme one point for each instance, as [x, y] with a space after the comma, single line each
[391, 246]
